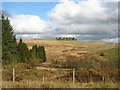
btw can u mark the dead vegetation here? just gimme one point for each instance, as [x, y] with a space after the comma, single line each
[91, 69]
[55, 49]
[57, 84]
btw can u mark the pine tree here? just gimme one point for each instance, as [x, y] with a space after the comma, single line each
[9, 44]
[13, 53]
[34, 51]
[38, 52]
[12, 60]
[23, 52]
[32, 55]
[41, 53]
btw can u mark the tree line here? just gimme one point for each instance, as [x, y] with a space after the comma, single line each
[66, 38]
[13, 52]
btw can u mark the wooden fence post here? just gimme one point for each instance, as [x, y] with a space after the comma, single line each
[13, 74]
[43, 79]
[103, 78]
[73, 75]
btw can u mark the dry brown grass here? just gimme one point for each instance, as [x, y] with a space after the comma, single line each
[59, 49]
[57, 84]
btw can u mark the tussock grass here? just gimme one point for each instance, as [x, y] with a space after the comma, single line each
[57, 84]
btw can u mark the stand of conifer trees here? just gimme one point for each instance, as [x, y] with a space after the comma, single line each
[12, 52]
[38, 52]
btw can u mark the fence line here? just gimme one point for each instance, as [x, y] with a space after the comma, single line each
[72, 71]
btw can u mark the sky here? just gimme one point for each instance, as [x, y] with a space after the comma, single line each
[87, 20]
[29, 8]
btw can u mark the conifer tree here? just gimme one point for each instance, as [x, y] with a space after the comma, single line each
[23, 52]
[12, 52]
[34, 51]
[9, 44]
[12, 59]
[32, 55]
[41, 53]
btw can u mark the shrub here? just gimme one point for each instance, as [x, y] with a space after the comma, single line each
[84, 62]
[102, 54]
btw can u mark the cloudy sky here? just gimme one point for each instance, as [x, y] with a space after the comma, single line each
[87, 20]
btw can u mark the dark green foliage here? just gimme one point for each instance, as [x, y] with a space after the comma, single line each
[102, 54]
[12, 59]
[12, 52]
[38, 53]
[41, 53]
[34, 51]
[23, 52]
[9, 45]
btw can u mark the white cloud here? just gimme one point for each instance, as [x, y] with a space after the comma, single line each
[85, 10]
[28, 24]
[87, 17]
[89, 20]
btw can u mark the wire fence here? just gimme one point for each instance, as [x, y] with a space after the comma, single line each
[48, 74]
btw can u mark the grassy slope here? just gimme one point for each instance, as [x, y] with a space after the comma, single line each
[76, 50]
[57, 50]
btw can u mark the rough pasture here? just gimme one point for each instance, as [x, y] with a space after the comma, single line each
[60, 49]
